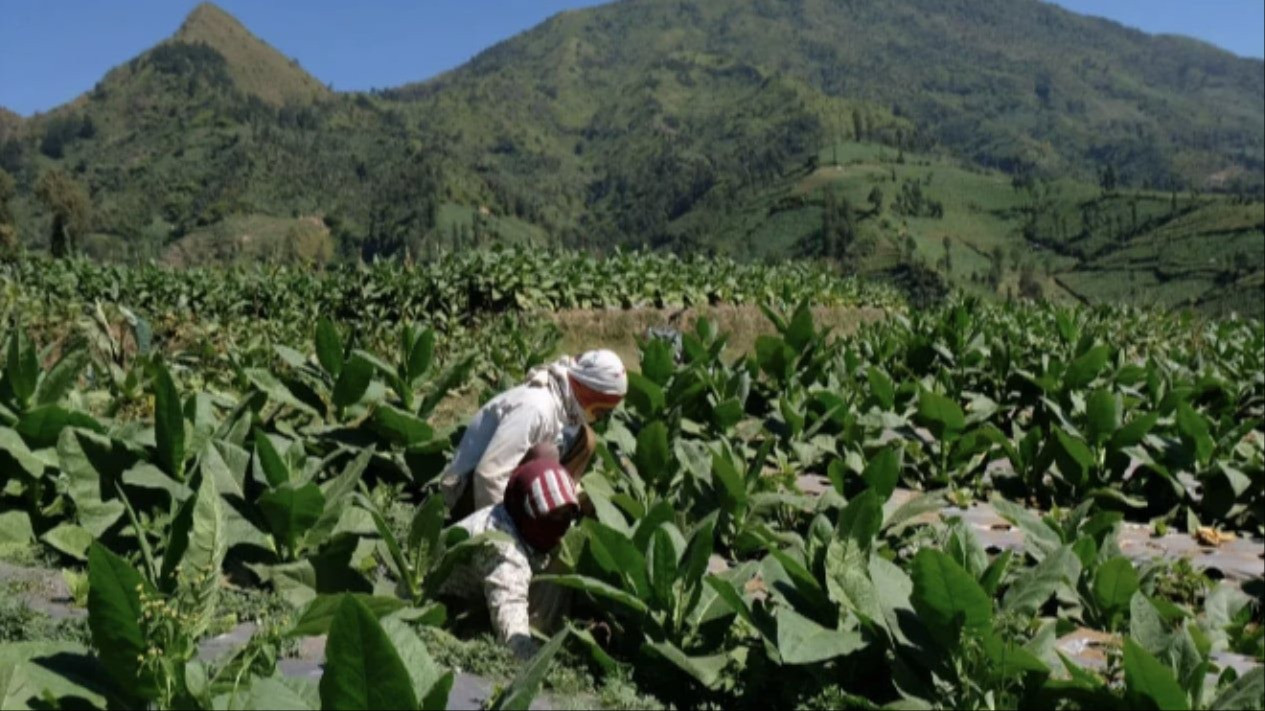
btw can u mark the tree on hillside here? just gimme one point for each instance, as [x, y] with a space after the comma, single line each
[996, 269]
[1107, 179]
[1029, 286]
[876, 199]
[8, 231]
[71, 208]
[838, 226]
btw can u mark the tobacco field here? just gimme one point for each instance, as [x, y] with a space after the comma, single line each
[175, 442]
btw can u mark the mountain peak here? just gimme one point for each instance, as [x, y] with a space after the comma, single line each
[256, 67]
[208, 20]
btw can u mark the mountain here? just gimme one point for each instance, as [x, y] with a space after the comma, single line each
[255, 68]
[727, 125]
[1005, 83]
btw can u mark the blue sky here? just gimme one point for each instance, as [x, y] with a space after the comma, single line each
[53, 50]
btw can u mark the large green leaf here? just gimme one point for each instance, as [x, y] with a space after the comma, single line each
[336, 493]
[652, 454]
[15, 527]
[1075, 460]
[1146, 678]
[1244, 693]
[617, 555]
[61, 378]
[421, 355]
[729, 595]
[12, 445]
[226, 463]
[661, 567]
[882, 473]
[862, 518]
[401, 428]
[706, 670]
[803, 641]
[697, 554]
[1039, 538]
[1146, 624]
[996, 571]
[800, 332]
[277, 391]
[727, 413]
[1132, 433]
[269, 462]
[940, 414]
[317, 615]
[266, 694]
[1194, 430]
[645, 396]
[148, 476]
[847, 555]
[431, 683]
[518, 696]
[22, 368]
[362, 668]
[662, 512]
[947, 598]
[425, 530]
[774, 357]
[1010, 659]
[70, 539]
[208, 543]
[1060, 569]
[291, 511]
[1083, 370]
[814, 599]
[31, 672]
[177, 544]
[656, 362]
[329, 347]
[1114, 583]
[600, 589]
[881, 387]
[169, 434]
[114, 613]
[352, 382]
[908, 513]
[41, 426]
[1102, 413]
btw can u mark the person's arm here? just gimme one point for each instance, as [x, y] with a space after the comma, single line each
[506, 587]
[515, 434]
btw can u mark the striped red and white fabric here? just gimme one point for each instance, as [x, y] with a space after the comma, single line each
[536, 489]
[550, 490]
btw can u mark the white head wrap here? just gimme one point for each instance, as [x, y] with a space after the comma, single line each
[601, 370]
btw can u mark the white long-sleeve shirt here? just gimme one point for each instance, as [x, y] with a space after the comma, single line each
[502, 573]
[498, 436]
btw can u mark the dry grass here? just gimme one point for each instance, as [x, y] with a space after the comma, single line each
[618, 329]
[585, 329]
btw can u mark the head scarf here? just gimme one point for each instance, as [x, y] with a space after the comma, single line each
[536, 489]
[600, 371]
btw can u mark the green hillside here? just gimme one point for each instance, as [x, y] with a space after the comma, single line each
[694, 126]
[1061, 239]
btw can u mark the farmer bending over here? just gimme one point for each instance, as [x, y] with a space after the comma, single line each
[554, 406]
[540, 505]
